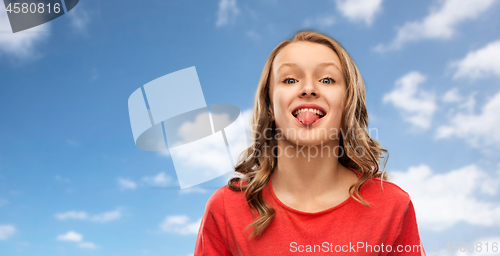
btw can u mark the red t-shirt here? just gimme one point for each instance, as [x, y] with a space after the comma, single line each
[349, 228]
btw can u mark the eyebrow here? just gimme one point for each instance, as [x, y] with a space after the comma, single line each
[319, 65]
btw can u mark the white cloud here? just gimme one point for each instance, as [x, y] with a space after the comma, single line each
[452, 96]
[469, 104]
[107, 216]
[161, 179]
[81, 215]
[320, 21]
[456, 100]
[478, 130]
[228, 10]
[126, 184]
[180, 224]
[440, 23]
[72, 215]
[20, 45]
[360, 10]
[415, 104]
[479, 63]
[6, 231]
[71, 236]
[87, 245]
[444, 199]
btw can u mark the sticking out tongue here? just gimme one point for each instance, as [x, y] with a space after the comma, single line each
[307, 117]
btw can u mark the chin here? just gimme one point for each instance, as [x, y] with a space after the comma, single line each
[308, 142]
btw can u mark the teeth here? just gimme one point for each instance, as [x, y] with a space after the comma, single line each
[317, 111]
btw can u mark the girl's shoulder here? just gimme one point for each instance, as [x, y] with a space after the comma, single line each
[224, 198]
[378, 188]
[385, 192]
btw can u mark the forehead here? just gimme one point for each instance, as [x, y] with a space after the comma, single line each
[305, 54]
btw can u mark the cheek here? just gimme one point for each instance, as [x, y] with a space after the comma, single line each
[337, 102]
[280, 102]
[280, 108]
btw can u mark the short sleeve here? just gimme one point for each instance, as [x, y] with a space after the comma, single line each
[408, 240]
[211, 239]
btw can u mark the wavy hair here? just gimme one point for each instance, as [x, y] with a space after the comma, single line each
[360, 151]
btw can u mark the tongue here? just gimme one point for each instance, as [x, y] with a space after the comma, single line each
[307, 117]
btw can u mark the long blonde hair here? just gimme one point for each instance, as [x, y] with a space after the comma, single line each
[257, 164]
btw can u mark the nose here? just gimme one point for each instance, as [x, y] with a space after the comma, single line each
[309, 90]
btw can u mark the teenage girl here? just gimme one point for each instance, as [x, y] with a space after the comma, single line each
[310, 183]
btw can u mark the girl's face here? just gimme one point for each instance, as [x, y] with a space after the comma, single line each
[307, 90]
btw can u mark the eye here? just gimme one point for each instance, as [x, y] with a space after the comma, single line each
[327, 80]
[289, 80]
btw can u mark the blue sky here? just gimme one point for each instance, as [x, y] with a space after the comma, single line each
[72, 181]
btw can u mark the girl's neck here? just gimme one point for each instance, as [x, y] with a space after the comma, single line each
[309, 171]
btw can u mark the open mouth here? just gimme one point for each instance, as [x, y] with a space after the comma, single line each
[308, 116]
